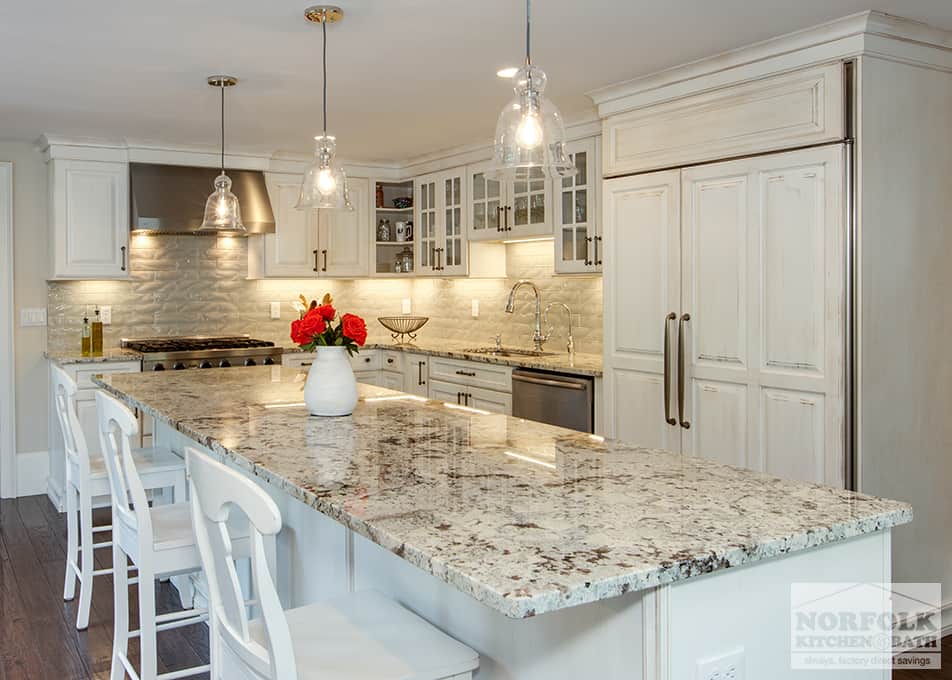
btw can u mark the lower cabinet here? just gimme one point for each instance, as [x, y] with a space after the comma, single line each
[473, 397]
[416, 374]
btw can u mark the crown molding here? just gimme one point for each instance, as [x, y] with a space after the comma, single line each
[864, 34]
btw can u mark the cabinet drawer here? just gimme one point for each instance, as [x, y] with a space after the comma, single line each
[472, 373]
[366, 360]
[492, 401]
[83, 375]
[298, 359]
[391, 361]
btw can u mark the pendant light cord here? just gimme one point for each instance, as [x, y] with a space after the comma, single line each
[324, 59]
[528, 35]
[222, 126]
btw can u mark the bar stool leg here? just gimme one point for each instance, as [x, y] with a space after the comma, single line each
[120, 635]
[88, 560]
[72, 542]
[148, 656]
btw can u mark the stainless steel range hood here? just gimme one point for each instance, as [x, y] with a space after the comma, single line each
[170, 199]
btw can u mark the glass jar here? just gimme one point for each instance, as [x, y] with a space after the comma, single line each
[406, 259]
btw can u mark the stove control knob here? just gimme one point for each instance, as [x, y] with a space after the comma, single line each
[205, 364]
[158, 367]
[224, 363]
[268, 361]
[250, 362]
[178, 366]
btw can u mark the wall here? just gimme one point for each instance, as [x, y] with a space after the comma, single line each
[196, 285]
[29, 271]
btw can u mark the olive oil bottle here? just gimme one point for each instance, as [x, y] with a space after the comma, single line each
[87, 341]
[97, 334]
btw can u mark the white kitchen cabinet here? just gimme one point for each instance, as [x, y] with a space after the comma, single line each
[289, 251]
[344, 235]
[578, 234]
[489, 400]
[416, 374]
[503, 210]
[488, 198]
[529, 212]
[441, 234]
[312, 243]
[739, 268]
[89, 219]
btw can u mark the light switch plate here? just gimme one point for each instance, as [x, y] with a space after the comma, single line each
[405, 306]
[275, 310]
[32, 316]
[105, 314]
[475, 309]
[729, 666]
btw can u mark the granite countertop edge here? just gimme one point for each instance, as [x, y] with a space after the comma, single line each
[515, 606]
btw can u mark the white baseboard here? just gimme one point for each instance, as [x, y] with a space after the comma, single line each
[33, 469]
[54, 490]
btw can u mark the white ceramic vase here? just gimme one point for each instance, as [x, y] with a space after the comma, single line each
[331, 388]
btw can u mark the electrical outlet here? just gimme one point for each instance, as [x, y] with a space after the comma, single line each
[405, 306]
[33, 316]
[728, 666]
[475, 309]
[105, 315]
[275, 310]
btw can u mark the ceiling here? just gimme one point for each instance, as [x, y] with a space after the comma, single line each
[407, 77]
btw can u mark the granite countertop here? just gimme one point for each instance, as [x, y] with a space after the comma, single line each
[526, 518]
[110, 354]
[579, 364]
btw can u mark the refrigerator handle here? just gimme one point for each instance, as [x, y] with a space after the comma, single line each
[667, 368]
[684, 423]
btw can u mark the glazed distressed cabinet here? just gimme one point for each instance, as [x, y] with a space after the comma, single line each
[578, 235]
[89, 219]
[488, 201]
[501, 210]
[724, 304]
[441, 238]
[308, 243]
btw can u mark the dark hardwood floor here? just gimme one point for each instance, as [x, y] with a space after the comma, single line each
[38, 636]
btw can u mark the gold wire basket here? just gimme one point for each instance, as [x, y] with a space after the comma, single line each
[402, 327]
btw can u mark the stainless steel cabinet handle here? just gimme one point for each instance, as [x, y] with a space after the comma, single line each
[589, 261]
[471, 374]
[420, 373]
[667, 369]
[548, 383]
[684, 423]
[315, 261]
[122, 251]
[324, 253]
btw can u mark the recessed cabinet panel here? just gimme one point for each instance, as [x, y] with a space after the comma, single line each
[719, 423]
[793, 269]
[90, 219]
[638, 398]
[289, 252]
[793, 435]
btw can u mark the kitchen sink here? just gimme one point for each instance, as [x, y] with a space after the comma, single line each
[508, 352]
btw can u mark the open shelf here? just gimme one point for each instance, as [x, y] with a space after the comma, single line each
[395, 210]
[394, 243]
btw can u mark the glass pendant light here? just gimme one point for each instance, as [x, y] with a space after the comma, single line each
[222, 213]
[530, 134]
[325, 183]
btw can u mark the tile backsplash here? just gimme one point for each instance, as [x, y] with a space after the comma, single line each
[197, 285]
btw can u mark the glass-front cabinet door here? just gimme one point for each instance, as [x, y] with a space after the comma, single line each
[487, 201]
[426, 219]
[451, 257]
[578, 247]
[529, 212]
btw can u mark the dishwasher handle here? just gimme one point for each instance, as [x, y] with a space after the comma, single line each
[548, 382]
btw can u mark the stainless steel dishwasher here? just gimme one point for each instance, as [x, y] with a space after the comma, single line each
[554, 398]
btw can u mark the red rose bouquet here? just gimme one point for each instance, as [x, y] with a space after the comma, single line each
[320, 326]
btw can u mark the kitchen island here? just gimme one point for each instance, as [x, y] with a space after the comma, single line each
[553, 553]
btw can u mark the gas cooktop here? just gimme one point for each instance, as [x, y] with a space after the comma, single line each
[177, 353]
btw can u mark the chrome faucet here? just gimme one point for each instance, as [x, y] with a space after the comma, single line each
[570, 345]
[537, 337]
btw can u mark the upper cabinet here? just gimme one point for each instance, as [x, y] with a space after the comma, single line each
[578, 235]
[508, 210]
[442, 244]
[313, 243]
[89, 219]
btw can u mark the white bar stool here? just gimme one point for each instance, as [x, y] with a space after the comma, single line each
[158, 540]
[359, 636]
[86, 478]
